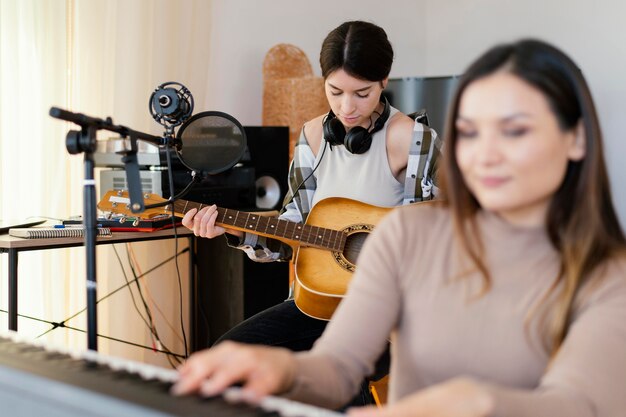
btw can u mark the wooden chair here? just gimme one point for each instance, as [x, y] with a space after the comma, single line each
[379, 390]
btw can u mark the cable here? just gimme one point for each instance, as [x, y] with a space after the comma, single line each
[194, 179]
[128, 283]
[130, 250]
[57, 325]
[308, 176]
[180, 297]
[169, 202]
[149, 322]
[122, 287]
[170, 177]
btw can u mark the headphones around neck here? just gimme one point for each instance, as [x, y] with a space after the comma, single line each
[358, 139]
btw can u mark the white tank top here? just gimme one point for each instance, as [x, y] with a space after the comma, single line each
[364, 177]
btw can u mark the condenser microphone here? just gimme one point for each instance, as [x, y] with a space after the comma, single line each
[171, 104]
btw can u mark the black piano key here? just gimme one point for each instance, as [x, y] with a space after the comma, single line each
[36, 381]
[31, 365]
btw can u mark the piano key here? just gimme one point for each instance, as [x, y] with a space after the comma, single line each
[36, 379]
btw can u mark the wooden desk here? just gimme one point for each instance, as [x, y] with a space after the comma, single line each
[14, 245]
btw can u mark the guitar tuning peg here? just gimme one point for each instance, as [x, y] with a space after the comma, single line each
[136, 223]
[108, 215]
[122, 219]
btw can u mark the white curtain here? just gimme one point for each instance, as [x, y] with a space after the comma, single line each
[100, 58]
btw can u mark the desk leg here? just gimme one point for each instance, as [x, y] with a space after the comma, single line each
[13, 289]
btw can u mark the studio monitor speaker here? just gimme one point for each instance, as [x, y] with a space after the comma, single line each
[268, 153]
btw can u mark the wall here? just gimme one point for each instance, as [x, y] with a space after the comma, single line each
[244, 31]
[430, 37]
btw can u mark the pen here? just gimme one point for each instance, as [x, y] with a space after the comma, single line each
[71, 226]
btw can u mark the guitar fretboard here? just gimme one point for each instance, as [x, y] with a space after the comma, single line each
[319, 237]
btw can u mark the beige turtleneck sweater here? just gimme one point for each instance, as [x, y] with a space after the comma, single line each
[407, 285]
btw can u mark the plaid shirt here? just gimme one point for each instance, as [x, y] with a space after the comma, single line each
[426, 147]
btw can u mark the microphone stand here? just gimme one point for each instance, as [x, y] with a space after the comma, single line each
[85, 141]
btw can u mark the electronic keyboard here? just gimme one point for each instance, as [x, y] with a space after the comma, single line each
[36, 379]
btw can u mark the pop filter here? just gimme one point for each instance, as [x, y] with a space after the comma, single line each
[212, 142]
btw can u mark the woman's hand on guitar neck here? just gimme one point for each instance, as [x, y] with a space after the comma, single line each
[202, 223]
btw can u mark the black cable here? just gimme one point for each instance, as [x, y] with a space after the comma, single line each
[149, 323]
[176, 197]
[194, 179]
[135, 280]
[154, 268]
[170, 202]
[170, 177]
[139, 290]
[166, 203]
[57, 325]
[293, 195]
[152, 326]
[180, 297]
[128, 284]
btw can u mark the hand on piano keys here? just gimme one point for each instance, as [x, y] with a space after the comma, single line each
[36, 379]
[262, 370]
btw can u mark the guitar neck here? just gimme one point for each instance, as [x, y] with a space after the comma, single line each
[301, 234]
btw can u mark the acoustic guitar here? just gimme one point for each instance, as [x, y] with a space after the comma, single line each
[325, 249]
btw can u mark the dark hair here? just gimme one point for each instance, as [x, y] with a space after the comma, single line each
[359, 48]
[581, 220]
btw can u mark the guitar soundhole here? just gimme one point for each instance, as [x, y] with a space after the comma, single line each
[354, 244]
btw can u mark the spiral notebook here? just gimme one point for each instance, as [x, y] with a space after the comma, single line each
[44, 232]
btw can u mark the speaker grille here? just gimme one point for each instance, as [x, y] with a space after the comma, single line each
[268, 153]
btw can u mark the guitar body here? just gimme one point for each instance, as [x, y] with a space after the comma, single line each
[322, 276]
[326, 247]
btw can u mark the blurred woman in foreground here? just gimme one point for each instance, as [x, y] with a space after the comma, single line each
[517, 308]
